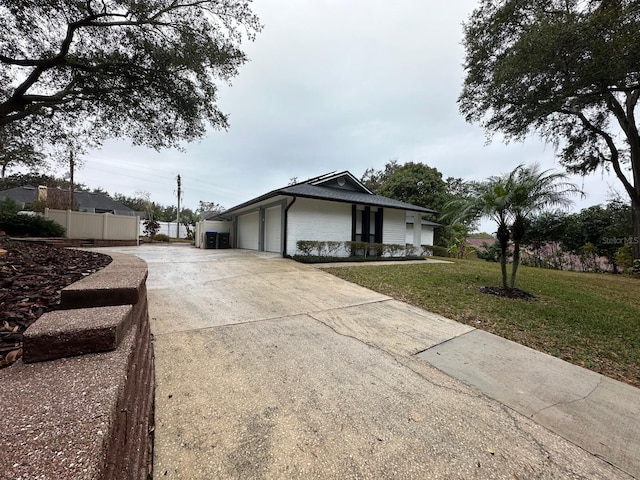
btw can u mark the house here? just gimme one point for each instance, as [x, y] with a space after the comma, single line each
[332, 207]
[426, 232]
[85, 201]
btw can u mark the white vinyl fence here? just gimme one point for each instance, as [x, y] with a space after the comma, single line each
[170, 229]
[98, 226]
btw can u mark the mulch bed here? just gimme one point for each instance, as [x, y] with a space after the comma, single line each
[31, 278]
[508, 293]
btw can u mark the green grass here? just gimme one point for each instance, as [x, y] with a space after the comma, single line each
[592, 320]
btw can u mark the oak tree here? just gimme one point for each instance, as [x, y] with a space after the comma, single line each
[141, 69]
[568, 70]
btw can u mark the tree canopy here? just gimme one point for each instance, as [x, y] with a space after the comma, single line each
[411, 182]
[17, 149]
[145, 69]
[568, 70]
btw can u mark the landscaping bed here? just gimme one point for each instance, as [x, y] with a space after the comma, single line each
[31, 278]
[363, 259]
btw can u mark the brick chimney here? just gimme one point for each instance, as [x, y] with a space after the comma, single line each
[42, 193]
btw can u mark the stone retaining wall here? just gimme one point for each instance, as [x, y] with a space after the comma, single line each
[79, 405]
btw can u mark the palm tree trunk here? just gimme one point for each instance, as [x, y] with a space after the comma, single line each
[516, 262]
[503, 238]
[503, 266]
[518, 230]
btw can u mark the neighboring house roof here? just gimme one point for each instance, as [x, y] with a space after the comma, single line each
[410, 219]
[23, 195]
[210, 215]
[100, 203]
[337, 187]
[480, 243]
[85, 200]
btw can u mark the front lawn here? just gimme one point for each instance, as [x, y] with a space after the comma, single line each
[592, 320]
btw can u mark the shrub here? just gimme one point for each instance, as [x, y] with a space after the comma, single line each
[357, 248]
[427, 250]
[410, 250]
[439, 251]
[151, 228]
[161, 237]
[21, 225]
[377, 249]
[624, 257]
[393, 249]
[490, 253]
[320, 247]
[306, 246]
[333, 248]
[8, 207]
[635, 269]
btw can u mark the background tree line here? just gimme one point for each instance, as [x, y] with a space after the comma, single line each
[546, 235]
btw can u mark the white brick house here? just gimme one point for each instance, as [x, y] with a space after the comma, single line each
[333, 207]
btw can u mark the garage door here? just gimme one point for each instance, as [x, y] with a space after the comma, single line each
[248, 231]
[273, 230]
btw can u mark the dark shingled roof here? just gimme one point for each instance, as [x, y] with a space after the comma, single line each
[411, 219]
[85, 200]
[349, 196]
[24, 195]
[346, 195]
[97, 201]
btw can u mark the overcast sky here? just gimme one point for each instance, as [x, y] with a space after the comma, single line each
[332, 85]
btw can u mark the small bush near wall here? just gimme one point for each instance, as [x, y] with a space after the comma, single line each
[427, 250]
[440, 251]
[151, 228]
[333, 248]
[161, 237]
[357, 248]
[377, 249]
[306, 247]
[24, 225]
[394, 249]
[314, 251]
[320, 248]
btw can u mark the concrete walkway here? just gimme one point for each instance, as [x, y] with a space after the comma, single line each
[271, 369]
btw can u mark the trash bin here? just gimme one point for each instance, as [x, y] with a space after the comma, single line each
[223, 240]
[210, 239]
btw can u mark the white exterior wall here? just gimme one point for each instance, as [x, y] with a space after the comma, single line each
[273, 229]
[248, 231]
[318, 220]
[394, 227]
[204, 226]
[426, 236]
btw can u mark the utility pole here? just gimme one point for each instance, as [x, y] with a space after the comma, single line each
[178, 216]
[71, 165]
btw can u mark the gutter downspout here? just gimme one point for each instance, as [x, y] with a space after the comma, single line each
[286, 224]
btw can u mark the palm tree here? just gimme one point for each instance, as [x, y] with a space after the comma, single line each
[488, 199]
[533, 190]
[510, 199]
[493, 202]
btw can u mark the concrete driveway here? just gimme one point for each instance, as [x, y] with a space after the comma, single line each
[266, 368]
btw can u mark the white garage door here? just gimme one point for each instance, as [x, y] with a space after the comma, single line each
[248, 231]
[273, 230]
